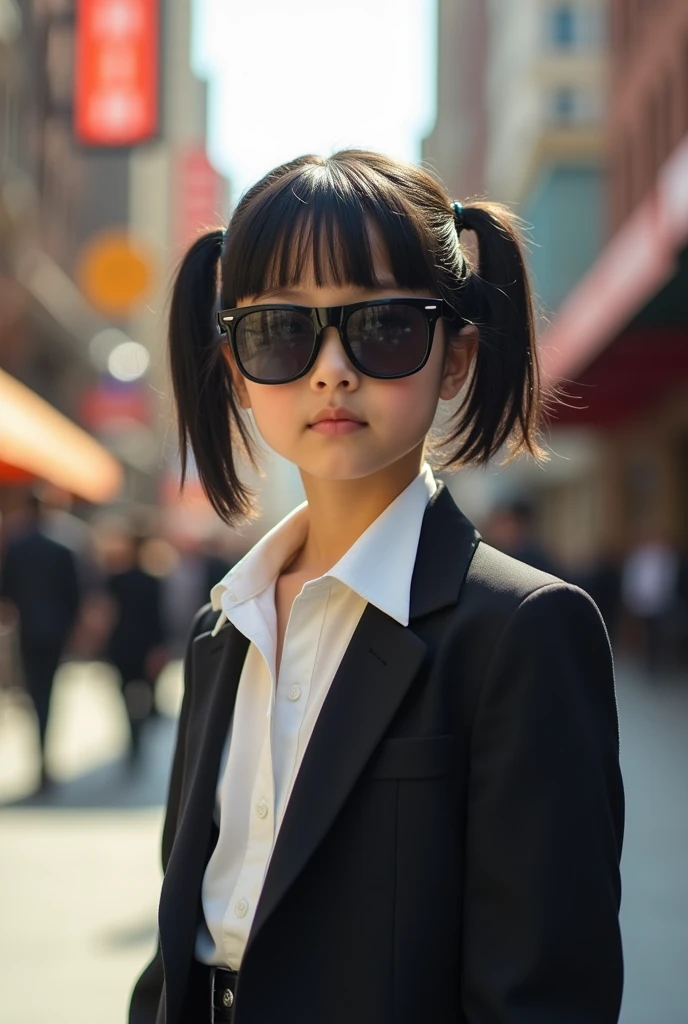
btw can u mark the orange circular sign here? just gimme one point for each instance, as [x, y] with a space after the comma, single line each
[114, 272]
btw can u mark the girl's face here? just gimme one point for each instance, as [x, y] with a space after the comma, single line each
[382, 421]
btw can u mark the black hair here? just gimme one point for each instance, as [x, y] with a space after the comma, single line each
[314, 215]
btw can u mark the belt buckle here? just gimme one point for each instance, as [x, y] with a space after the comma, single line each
[227, 1000]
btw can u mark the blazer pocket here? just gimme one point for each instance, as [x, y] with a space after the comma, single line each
[414, 757]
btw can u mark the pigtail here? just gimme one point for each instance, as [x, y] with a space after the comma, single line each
[504, 403]
[208, 416]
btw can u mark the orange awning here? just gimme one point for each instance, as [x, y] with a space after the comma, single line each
[36, 438]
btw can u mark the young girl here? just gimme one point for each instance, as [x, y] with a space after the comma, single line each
[395, 796]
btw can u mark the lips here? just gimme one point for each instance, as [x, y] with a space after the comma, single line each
[337, 412]
[336, 420]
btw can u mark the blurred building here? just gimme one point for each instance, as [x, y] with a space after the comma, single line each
[521, 117]
[175, 194]
[621, 336]
[456, 149]
[104, 178]
[45, 324]
[521, 107]
[577, 113]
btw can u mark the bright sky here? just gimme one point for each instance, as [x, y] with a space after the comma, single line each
[294, 76]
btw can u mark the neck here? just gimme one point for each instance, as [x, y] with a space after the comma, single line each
[339, 511]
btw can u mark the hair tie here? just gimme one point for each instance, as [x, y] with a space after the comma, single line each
[458, 217]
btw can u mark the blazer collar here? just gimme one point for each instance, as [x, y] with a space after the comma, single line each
[447, 543]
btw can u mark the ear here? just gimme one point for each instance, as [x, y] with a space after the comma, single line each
[461, 349]
[238, 379]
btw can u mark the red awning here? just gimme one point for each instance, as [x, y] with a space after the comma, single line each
[636, 263]
[38, 441]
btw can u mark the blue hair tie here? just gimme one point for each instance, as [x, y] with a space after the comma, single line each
[458, 217]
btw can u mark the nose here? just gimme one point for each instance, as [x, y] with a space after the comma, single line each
[332, 368]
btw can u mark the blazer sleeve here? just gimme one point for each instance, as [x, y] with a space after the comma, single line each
[545, 823]
[148, 990]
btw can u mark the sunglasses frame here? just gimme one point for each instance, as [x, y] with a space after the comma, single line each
[335, 316]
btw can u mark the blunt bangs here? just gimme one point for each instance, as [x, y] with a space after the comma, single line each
[316, 223]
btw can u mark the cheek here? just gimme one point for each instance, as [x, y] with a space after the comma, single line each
[275, 408]
[410, 403]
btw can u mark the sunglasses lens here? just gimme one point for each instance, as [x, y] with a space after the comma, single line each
[388, 340]
[274, 345]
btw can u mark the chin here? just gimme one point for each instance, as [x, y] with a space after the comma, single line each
[336, 464]
[338, 469]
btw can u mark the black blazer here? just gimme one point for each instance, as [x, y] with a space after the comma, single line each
[450, 852]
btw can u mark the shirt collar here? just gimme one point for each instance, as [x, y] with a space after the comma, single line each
[378, 566]
[264, 562]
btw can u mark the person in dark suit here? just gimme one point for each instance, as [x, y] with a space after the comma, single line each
[135, 643]
[395, 794]
[38, 575]
[510, 528]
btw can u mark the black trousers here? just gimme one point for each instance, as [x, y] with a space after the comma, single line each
[40, 665]
[197, 1002]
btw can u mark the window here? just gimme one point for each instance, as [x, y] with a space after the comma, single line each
[564, 26]
[564, 105]
[579, 105]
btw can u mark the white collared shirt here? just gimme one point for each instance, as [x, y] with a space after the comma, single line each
[273, 717]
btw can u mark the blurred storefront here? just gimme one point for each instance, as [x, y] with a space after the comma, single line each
[620, 340]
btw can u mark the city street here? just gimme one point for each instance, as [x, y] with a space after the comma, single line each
[80, 872]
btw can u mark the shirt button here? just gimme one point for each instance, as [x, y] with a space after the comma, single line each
[294, 693]
[232, 597]
[241, 908]
[262, 808]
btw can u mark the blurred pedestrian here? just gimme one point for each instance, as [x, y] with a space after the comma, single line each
[649, 588]
[135, 646]
[396, 793]
[38, 576]
[511, 528]
[195, 571]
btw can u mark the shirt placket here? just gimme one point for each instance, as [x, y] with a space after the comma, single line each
[295, 682]
[261, 830]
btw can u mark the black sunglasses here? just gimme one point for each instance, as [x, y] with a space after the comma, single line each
[385, 338]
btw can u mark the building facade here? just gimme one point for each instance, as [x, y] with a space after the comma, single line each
[540, 71]
[48, 197]
[621, 337]
[456, 148]
[81, 217]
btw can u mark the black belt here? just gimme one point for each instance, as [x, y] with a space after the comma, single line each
[211, 995]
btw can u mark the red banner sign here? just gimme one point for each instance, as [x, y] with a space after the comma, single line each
[116, 75]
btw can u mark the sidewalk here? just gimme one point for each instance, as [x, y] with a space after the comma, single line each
[80, 872]
[79, 868]
[654, 909]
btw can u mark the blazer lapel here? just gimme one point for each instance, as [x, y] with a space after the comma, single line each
[445, 549]
[373, 677]
[369, 687]
[217, 663]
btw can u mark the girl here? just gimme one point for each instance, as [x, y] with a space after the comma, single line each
[395, 795]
